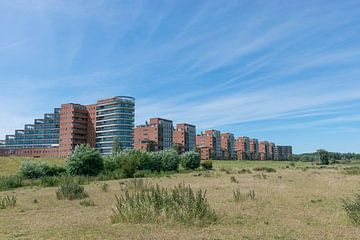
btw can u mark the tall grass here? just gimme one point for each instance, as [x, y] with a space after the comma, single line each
[160, 205]
[9, 182]
[352, 209]
[69, 189]
[239, 196]
[7, 201]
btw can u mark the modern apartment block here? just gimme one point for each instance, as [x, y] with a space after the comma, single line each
[228, 145]
[210, 139]
[264, 150]
[57, 133]
[254, 149]
[271, 151]
[242, 146]
[184, 135]
[283, 153]
[158, 132]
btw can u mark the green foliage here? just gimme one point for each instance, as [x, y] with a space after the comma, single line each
[239, 196]
[207, 165]
[323, 156]
[69, 189]
[87, 203]
[31, 169]
[160, 205]
[190, 160]
[352, 209]
[85, 161]
[169, 160]
[265, 169]
[49, 181]
[7, 201]
[116, 146]
[9, 182]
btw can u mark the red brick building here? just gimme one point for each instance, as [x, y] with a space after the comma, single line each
[242, 147]
[210, 139]
[254, 149]
[264, 150]
[228, 146]
[184, 135]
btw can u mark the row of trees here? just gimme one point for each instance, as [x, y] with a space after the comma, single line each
[326, 157]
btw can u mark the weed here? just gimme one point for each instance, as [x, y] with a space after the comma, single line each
[244, 170]
[233, 179]
[179, 204]
[137, 184]
[9, 182]
[7, 201]
[104, 187]
[352, 209]
[49, 181]
[87, 203]
[352, 170]
[260, 176]
[35, 201]
[239, 196]
[315, 200]
[70, 190]
[265, 169]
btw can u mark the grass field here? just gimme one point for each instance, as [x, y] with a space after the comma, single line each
[291, 203]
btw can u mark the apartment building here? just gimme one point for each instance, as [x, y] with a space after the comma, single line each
[184, 135]
[283, 153]
[228, 146]
[158, 132]
[242, 146]
[57, 133]
[254, 149]
[271, 155]
[264, 150]
[212, 140]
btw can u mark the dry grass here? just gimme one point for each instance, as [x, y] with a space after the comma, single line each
[297, 205]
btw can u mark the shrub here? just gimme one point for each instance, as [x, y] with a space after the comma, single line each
[49, 181]
[9, 182]
[70, 190]
[87, 203]
[207, 165]
[32, 169]
[179, 204]
[169, 160]
[7, 201]
[352, 209]
[142, 173]
[85, 161]
[190, 160]
[265, 169]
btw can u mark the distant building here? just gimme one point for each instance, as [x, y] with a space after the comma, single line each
[254, 149]
[242, 146]
[212, 140]
[283, 153]
[59, 132]
[271, 155]
[184, 135]
[228, 146]
[264, 150]
[159, 131]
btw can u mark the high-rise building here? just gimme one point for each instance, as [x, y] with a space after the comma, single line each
[227, 145]
[184, 135]
[254, 149]
[158, 132]
[242, 146]
[57, 134]
[210, 139]
[264, 150]
[114, 120]
[283, 153]
[271, 151]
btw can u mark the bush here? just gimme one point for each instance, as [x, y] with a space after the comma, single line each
[233, 179]
[85, 161]
[352, 209]
[169, 160]
[207, 165]
[265, 169]
[70, 190]
[179, 204]
[7, 201]
[49, 181]
[32, 169]
[190, 160]
[9, 182]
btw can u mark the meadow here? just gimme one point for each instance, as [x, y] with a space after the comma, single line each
[292, 201]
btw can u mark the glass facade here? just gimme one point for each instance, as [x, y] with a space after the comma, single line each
[43, 133]
[114, 120]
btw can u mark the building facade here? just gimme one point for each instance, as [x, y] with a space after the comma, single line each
[212, 140]
[158, 132]
[228, 146]
[264, 150]
[254, 149]
[283, 153]
[242, 146]
[57, 133]
[184, 135]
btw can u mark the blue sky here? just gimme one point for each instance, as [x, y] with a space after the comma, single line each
[285, 71]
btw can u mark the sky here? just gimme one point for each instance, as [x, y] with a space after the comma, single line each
[282, 71]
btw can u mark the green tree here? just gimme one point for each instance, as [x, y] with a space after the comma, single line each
[116, 146]
[84, 161]
[323, 156]
[151, 146]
